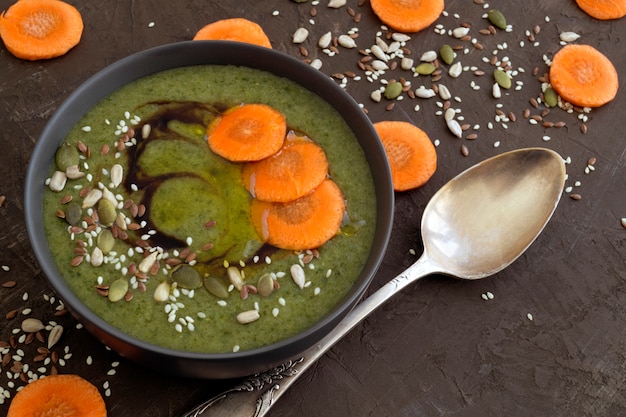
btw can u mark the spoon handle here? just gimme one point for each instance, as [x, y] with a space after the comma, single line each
[257, 394]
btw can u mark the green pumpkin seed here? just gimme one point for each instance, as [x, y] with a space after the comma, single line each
[118, 289]
[105, 241]
[497, 18]
[216, 286]
[502, 78]
[186, 276]
[425, 68]
[550, 97]
[393, 90]
[265, 285]
[447, 54]
[66, 156]
[73, 213]
[106, 212]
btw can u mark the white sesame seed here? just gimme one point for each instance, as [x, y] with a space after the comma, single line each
[151, 24]
[529, 316]
[236, 348]
[490, 295]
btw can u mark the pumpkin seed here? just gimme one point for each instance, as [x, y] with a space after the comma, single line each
[73, 213]
[447, 54]
[502, 78]
[66, 156]
[425, 68]
[106, 212]
[216, 286]
[550, 97]
[393, 90]
[265, 285]
[106, 241]
[186, 276]
[497, 18]
[117, 290]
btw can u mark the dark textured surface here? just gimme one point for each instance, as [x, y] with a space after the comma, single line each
[438, 349]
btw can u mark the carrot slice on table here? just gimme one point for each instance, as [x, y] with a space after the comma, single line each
[411, 154]
[295, 170]
[62, 395]
[236, 29]
[305, 223]
[40, 29]
[407, 15]
[249, 132]
[603, 9]
[583, 76]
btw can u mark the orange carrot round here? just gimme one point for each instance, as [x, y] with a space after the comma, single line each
[249, 132]
[603, 9]
[407, 15]
[40, 29]
[295, 170]
[411, 154]
[61, 395]
[305, 223]
[583, 76]
[236, 29]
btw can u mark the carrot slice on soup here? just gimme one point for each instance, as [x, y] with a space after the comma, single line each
[295, 170]
[236, 29]
[583, 76]
[249, 132]
[305, 223]
[40, 29]
[412, 156]
[60, 396]
[407, 15]
[603, 9]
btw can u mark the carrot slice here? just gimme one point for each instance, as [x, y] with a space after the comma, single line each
[236, 29]
[411, 154]
[407, 15]
[603, 9]
[295, 170]
[583, 76]
[305, 223]
[40, 29]
[249, 132]
[58, 395]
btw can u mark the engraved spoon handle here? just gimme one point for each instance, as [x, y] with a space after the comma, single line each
[257, 394]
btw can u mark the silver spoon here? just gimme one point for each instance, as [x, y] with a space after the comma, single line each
[474, 226]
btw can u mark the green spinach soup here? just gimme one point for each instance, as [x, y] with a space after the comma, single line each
[152, 230]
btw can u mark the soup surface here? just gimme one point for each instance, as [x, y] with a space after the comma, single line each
[153, 232]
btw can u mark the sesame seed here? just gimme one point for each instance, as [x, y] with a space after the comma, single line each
[529, 316]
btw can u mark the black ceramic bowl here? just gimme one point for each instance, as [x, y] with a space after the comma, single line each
[226, 365]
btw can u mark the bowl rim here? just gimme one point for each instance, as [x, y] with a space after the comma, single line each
[188, 53]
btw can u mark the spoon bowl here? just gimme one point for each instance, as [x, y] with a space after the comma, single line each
[474, 226]
[486, 217]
